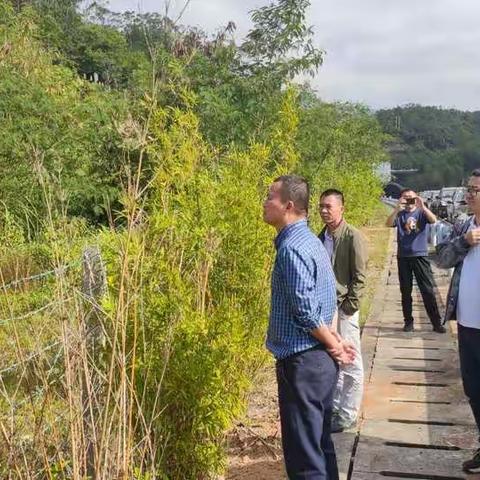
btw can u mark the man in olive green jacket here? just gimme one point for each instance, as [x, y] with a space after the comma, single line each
[348, 253]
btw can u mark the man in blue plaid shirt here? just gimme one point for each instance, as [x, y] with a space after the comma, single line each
[303, 304]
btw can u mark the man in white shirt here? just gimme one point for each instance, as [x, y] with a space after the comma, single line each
[462, 251]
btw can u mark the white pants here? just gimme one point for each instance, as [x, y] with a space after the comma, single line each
[349, 391]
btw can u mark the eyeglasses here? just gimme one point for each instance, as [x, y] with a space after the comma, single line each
[473, 191]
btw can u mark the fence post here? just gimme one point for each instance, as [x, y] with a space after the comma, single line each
[94, 275]
[94, 286]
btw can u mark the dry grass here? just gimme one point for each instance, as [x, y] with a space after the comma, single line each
[378, 238]
[69, 408]
[69, 404]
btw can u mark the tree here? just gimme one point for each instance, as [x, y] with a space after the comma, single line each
[441, 143]
[280, 43]
[341, 145]
[56, 128]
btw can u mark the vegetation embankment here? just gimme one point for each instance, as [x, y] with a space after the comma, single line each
[164, 164]
[378, 237]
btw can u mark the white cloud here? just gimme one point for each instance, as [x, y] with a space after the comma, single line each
[380, 52]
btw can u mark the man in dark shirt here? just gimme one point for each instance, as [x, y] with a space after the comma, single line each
[411, 217]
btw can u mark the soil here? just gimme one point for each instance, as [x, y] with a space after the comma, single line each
[255, 450]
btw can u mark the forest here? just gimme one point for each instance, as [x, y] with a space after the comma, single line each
[442, 144]
[155, 143]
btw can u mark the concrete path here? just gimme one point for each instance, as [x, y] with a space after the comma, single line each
[416, 423]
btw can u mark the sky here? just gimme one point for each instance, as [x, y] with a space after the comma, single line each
[382, 53]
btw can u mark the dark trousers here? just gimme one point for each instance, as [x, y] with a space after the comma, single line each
[420, 267]
[469, 350]
[306, 383]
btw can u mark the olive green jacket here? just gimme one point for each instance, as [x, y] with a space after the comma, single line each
[349, 260]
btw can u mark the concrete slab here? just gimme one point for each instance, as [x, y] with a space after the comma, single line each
[419, 358]
[436, 360]
[407, 352]
[344, 442]
[396, 332]
[376, 476]
[423, 412]
[415, 420]
[376, 455]
[451, 394]
[388, 375]
[422, 339]
[457, 435]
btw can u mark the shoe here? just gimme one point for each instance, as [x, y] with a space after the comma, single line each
[439, 329]
[408, 327]
[339, 426]
[473, 465]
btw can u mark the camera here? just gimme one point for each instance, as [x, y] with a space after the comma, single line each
[410, 201]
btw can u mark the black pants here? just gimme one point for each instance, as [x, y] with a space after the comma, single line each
[420, 267]
[469, 350]
[306, 384]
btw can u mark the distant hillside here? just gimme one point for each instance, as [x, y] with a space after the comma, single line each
[443, 144]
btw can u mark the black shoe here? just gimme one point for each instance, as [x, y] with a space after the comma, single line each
[408, 327]
[439, 329]
[473, 465]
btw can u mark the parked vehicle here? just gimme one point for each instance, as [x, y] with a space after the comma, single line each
[428, 196]
[424, 195]
[458, 206]
[442, 201]
[435, 200]
[433, 195]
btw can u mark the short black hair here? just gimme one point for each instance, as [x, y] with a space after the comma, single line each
[405, 190]
[333, 191]
[476, 173]
[295, 189]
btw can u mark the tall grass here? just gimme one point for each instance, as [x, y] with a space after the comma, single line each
[70, 407]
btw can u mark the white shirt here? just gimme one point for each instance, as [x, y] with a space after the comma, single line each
[468, 306]
[328, 244]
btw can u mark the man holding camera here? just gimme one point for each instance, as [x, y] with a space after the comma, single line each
[411, 218]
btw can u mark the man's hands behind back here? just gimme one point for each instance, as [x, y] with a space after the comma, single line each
[344, 353]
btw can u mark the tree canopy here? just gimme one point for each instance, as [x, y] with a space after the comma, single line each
[443, 144]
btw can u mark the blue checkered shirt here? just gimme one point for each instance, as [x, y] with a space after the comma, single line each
[303, 291]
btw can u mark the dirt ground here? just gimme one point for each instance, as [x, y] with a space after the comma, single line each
[255, 451]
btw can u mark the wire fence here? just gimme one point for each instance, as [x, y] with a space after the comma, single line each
[39, 392]
[93, 284]
[29, 358]
[39, 276]
[32, 313]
